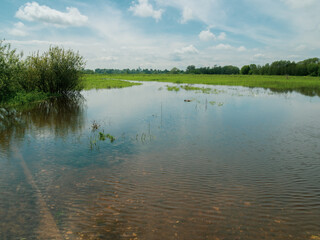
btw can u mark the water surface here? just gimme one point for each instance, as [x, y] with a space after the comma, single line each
[236, 163]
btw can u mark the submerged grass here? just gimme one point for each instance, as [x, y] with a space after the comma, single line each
[309, 86]
[98, 81]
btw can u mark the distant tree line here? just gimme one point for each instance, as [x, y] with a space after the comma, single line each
[308, 67]
[125, 71]
[214, 70]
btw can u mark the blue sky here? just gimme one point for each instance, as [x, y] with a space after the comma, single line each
[166, 33]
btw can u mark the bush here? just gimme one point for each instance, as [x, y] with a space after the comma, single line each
[55, 71]
[11, 71]
[245, 70]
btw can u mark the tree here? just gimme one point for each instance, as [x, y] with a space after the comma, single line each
[174, 71]
[191, 69]
[245, 70]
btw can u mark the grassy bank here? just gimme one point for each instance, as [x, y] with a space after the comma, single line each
[23, 98]
[97, 81]
[306, 85]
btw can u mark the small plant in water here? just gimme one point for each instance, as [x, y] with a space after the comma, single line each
[103, 137]
[112, 138]
[97, 137]
[95, 126]
[173, 88]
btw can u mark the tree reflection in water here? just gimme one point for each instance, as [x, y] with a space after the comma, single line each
[61, 116]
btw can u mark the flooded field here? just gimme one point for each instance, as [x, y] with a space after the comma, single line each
[153, 162]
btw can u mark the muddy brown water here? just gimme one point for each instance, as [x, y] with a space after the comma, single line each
[236, 163]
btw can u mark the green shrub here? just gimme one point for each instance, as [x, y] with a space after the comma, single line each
[55, 71]
[11, 71]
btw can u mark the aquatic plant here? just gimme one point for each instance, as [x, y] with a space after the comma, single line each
[200, 89]
[103, 137]
[112, 138]
[94, 126]
[173, 88]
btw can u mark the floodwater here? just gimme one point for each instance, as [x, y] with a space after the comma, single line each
[235, 163]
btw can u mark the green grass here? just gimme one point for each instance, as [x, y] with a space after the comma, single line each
[192, 88]
[98, 81]
[306, 85]
[173, 88]
[23, 98]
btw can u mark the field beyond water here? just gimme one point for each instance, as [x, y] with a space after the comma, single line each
[309, 86]
[100, 81]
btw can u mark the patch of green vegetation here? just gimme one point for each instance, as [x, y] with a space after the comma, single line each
[173, 88]
[199, 89]
[103, 137]
[309, 86]
[38, 77]
[99, 81]
[23, 98]
[97, 137]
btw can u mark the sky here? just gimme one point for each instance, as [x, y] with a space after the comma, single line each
[162, 34]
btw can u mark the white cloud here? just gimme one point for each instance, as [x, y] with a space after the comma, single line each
[259, 56]
[241, 49]
[222, 46]
[18, 30]
[207, 11]
[207, 35]
[187, 50]
[144, 9]
[222, 36]
[187, 14]
[34, 12]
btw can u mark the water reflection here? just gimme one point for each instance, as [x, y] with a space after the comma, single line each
[307, 91]
[60, 116]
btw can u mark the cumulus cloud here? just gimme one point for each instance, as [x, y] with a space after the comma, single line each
[187, 50]
[18, 30]
[34, 12]
[223, 47]
[207, 35]
[144, 9]
[222, 36]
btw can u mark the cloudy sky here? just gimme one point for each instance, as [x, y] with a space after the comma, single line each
[166, 33]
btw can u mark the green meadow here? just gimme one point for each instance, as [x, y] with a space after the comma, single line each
[306, 85]
[99, 81]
